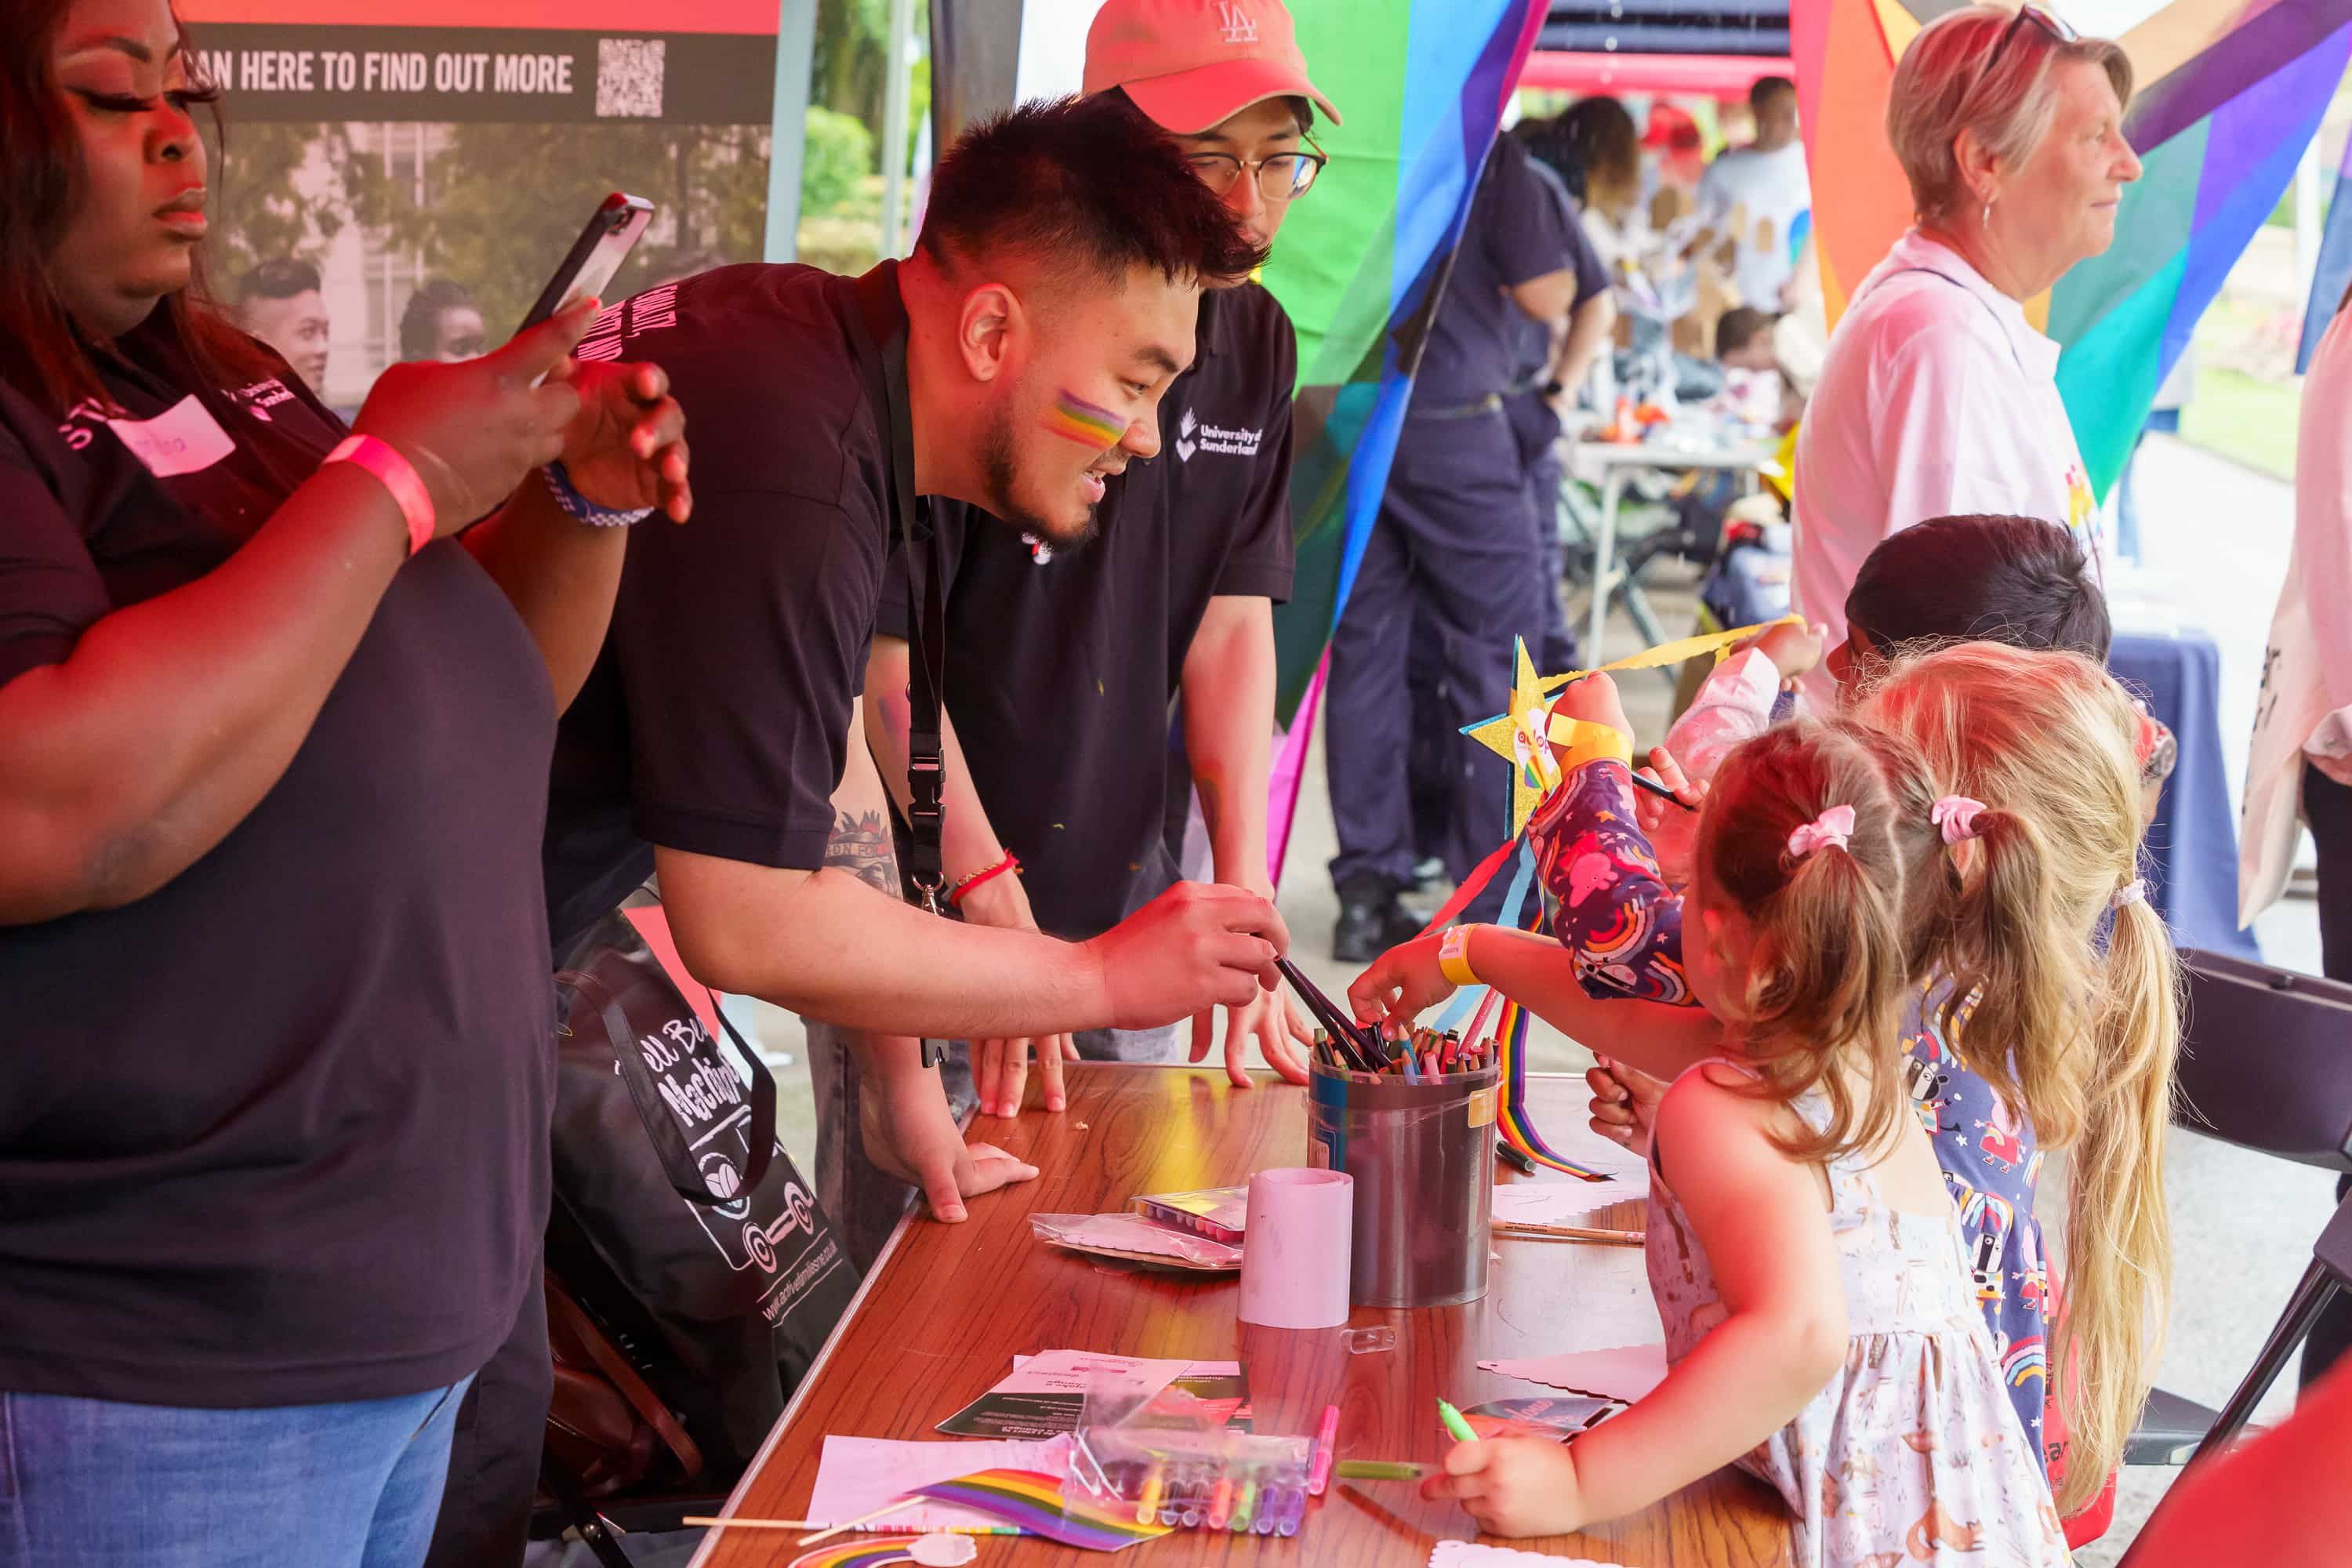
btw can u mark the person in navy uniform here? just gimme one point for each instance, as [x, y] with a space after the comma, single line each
[1455, 538]
[1056, 810]
[1555, 358]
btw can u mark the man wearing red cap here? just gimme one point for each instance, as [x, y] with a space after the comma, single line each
[1057, 803]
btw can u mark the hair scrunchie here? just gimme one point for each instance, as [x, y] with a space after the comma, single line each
[1955, 816]
[1833, 830]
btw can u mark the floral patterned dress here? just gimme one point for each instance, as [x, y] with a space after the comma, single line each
[1623, 924]
[1912, 1453]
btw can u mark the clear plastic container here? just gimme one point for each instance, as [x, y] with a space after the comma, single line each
[1172, 1461]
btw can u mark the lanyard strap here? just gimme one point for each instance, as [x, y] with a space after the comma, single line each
[884, 321]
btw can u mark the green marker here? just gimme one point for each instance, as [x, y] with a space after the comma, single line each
[1379, 1471]
[1455, 1423]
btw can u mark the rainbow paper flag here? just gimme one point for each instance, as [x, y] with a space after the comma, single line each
[1033, 1501]
[2229, 93]
[1422, 84]
[858, 1554]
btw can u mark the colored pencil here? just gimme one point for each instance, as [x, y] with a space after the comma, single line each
[1570, 1233]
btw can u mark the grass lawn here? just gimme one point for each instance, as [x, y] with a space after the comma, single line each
[2248, 420]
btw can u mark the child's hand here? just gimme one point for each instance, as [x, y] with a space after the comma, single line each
[1512, 1485]
[1402, 983]
[1624, 1103]
[1793, 649]
[1594, 700]
[1671, 831]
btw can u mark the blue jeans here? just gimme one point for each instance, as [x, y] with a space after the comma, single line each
[85, 1482]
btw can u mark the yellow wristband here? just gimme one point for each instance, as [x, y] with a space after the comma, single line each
[1580, 741]
[1453, 956]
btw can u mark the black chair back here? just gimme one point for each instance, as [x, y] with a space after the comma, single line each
[2266, 1061]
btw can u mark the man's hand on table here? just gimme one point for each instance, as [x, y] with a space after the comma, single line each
[1000, 1068]
[912, 1134]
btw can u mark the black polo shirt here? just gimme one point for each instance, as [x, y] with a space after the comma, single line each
[1060, 669]
[275, 1133]
[716, 718]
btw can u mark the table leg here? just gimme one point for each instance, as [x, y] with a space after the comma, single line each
[1604, 550]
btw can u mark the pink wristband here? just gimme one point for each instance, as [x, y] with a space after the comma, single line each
[393, 472]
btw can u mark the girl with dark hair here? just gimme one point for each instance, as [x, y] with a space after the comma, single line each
[273, 765]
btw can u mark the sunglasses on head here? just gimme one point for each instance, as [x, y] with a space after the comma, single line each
[2058, 30]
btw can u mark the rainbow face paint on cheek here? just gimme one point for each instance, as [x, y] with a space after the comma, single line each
[1073, 418]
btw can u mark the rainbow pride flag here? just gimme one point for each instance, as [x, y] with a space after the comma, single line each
[1422, 84]
[1033, 1501]
[2229, 93]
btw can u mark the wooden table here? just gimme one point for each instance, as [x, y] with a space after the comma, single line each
[947, 1307]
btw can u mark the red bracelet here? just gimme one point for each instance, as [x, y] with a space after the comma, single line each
[1010, 862]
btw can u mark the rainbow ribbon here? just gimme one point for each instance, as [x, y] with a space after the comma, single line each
[1516, 1127]
[1033, 1501]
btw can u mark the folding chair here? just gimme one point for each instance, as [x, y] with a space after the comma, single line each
[2265, 1064]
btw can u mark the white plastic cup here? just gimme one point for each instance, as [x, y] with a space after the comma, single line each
[1295, 1254]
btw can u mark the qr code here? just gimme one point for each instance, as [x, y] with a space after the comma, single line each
[629, 78]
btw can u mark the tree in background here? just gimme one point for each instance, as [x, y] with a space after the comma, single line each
[711, 183]
[265, 203]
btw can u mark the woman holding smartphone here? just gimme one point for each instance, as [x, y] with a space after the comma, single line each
[273, 765]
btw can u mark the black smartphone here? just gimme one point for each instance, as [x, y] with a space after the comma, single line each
[595, 256]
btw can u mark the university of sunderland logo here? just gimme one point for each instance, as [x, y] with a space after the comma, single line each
[1237, 27]
[1195, 436]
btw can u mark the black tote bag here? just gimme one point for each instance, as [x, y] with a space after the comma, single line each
[677, 1219]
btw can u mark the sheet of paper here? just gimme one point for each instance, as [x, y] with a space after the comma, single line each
[857, 1474]
[1556, 1201]
[1621, 1371]
[1470, 1555]
[1046, 1392]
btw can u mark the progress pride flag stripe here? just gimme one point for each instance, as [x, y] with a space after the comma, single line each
[572, 15]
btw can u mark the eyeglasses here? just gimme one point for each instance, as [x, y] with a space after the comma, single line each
[2058, 30]
[1284, 177]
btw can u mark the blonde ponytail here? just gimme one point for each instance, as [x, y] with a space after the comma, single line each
[2118, 1281]
[2080, 1041]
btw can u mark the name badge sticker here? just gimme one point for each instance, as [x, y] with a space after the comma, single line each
[183, 439]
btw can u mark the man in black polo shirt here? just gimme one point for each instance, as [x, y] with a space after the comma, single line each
[1051, 299]
[1058, 822]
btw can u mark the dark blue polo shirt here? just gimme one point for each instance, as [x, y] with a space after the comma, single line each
[1518, 229]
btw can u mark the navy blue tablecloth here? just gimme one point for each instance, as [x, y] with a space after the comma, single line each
[2192, 845]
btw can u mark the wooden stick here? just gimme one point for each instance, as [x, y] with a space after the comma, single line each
[706, 1522]
[903, 1503]
[1570, 1233]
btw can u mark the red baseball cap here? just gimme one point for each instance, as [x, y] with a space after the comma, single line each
[1192, 64]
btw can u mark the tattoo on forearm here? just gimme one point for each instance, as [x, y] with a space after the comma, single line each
[861, 845]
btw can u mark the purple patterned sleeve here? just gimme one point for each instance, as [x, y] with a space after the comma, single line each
[1614, 912]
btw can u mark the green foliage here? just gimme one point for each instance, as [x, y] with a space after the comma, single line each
[505, 201]
[849, 59]
[837, 154]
